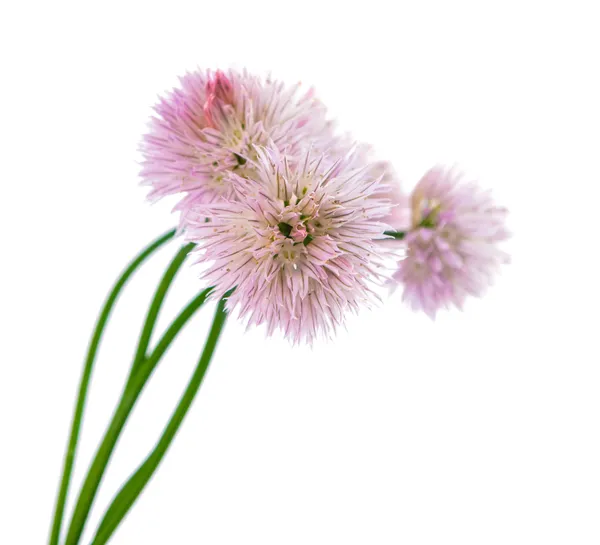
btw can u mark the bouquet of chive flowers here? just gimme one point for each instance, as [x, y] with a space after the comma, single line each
[291, 225]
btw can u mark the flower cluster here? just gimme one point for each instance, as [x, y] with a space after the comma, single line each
[208, 129]
[297, 222]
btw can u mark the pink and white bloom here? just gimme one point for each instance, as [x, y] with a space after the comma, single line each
[299, 243]
[207, 129]
[452, 248]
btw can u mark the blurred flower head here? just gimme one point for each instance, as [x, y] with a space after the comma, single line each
[298, 243]
[208, 128]
[362, 156]
[452, 247]
[399, 217]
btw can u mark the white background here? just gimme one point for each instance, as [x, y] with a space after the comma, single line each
[480, 428]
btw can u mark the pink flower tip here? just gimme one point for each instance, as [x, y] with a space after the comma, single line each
[221, 87]
[298, 233]
[219, 92]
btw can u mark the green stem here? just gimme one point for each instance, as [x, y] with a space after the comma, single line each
[398, 235]
[85, 380]
[156, 305]
[130, 491]
[135, 384]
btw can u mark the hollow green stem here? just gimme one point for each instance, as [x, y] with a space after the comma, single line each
[156, 305]
[130, 491]
[85, 380]
[135, 384]
[398, 235]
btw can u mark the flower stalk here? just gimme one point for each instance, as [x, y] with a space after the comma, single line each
[130, 491]
[398, 235]
[85, 380]
[141, 370]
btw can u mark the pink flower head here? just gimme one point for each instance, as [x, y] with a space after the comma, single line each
[298, 244]
[452, 248]
[208, 128]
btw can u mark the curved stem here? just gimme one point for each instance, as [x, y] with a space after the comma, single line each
[85, 380]
[156, 304]
[130, 491]
[128, 399]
